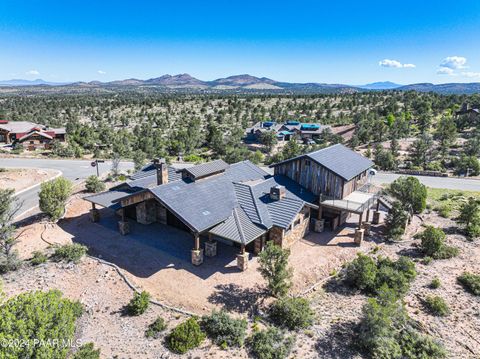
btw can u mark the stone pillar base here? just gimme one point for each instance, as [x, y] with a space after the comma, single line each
[197, 257]
[366, 226]
[335, 223]
[242, 261]
[376, 217]
[123, 227]
[94, 215]
[359, 233]
[211, 248]
[318, 225]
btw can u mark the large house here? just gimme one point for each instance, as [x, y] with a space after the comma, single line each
[30, 135]
[241, 204]
[286, 131]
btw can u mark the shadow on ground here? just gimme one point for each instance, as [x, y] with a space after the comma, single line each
[337, 342]
[147, 249]
[235, 298]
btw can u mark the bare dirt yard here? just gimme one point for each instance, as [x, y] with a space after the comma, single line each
[19, 179]
[171, 279]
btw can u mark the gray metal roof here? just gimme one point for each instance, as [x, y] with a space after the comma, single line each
[204, 204]
[238, 228]
[150, 170]
[252, 206]
[339, 159]
[206, 169]
[109, 198]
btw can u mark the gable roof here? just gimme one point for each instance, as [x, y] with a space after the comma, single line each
[339, 159]
[203, 204]
[238, 228]
[207, 169]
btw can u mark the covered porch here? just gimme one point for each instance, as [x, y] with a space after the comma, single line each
[336, 211]
[136, 210]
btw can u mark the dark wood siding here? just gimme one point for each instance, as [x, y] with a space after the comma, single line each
[318, 179]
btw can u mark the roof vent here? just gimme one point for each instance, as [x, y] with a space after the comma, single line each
[277, 192]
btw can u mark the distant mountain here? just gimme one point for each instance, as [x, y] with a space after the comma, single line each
[176, 80]
[449, 88]
[21, 82]
[237, 84]
[385, 85]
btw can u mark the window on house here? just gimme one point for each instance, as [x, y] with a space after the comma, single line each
[307, 163]
[297, 222]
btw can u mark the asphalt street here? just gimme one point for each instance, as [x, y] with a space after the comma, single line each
[74, 170]
[77, 171]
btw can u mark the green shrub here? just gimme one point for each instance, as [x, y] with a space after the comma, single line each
[386, 331]
[444, 209]
[410, 192]
[224, 330]
[156, 328]
[53, 197]
[292, 313]
[433, 244]
[361, 272]
[435, 283]
[427, 260]
[42, 316]
[70, 252]
[270, 344]
[185, 336]
[471, 282]
[369, 275]
[396, 221]
[139, 303]
[437, 306]
[87, 351]
[38, 258]
[94, 184]
[274, 269]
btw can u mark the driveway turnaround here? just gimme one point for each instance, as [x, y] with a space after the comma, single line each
[74, 170]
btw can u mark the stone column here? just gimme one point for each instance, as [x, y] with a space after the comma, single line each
[210, 247]
[146, 212]
[366, 226]
[242, 259]
[197, 252]
[359, 233]
[94, 214]
[123, 225]
[318, 225]
[376, 217]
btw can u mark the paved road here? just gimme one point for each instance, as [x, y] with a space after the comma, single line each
[434, 182]
[74, 170]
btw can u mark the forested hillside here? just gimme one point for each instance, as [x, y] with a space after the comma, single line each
[410, 129]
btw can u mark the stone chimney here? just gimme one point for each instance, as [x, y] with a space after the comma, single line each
[277, 192]
[162, 171]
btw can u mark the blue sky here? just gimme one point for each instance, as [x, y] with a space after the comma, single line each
[351, 42]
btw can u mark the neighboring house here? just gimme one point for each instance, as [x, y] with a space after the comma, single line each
[285, 131]
[239, 204]
[472, 112]
[30, 135]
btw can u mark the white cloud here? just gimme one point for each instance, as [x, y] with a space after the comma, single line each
[395, 64]
[445, 71]
[32, 72]
[454, 62]
[471, 74]
[101, 72]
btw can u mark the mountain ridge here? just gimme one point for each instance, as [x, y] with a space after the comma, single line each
[248, 83]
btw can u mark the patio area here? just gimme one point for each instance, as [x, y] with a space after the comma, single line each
[156, 258]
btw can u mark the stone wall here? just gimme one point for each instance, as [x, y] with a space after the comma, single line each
[146, 212]
[161, 213]
[300, 227]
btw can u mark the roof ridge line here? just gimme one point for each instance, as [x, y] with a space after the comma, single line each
[239, 226]
[256, 205]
